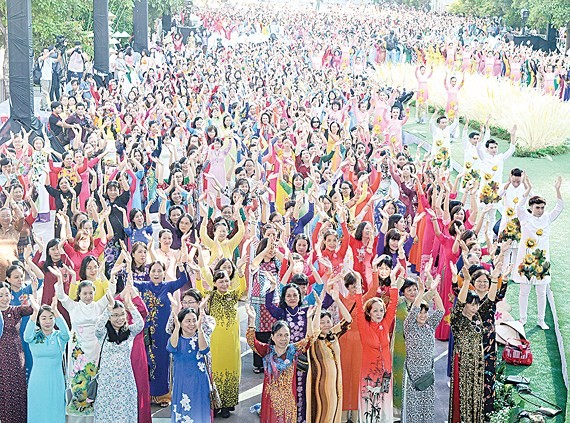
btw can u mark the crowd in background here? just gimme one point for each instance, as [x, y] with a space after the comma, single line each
[266, 168]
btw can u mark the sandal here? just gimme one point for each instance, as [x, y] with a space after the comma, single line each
[164, 404]
[257, 370]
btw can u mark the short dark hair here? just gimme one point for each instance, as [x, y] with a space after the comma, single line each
[55, 104]
[472, 297]
[516, 172]
[536, 199]
[300, 279]
[473, 134]
[407, 283]
[489, 142]
[279, 324]
[282, 303]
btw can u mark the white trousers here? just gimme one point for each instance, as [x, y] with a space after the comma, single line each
[540, 300]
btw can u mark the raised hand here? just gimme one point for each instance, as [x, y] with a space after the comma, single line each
[558, 183]
[128, 300]
[453, 268]
[435, 283]
[335, 295]
[35, 305]
[250, 311]
[427, 268]
[54, 307]
[111, 301]
[204, 304]
[395, 271]
[175, 305]
[56, 272]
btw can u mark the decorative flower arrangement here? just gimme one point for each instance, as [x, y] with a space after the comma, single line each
[442, 157]
[472, 175]
[512, 230]
[490, 192]
[535, 263]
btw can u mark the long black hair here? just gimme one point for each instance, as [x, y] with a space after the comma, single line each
[182, 314]
[392, 234]
[48, 261]
[84, 263]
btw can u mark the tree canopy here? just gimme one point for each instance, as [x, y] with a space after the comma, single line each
[74, 19]
[541, 12]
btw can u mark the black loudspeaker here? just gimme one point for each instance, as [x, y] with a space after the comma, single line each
[101, 37]
[19, 17]
[166, 23]
[140, 25]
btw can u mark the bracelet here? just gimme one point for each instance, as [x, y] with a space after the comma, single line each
[495, 282]
[251, 327]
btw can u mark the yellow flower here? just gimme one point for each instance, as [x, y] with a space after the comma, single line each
[487, 190]
[393, 140]
[439, 143]
[488, 176]
[511, 227]
[516, 200]
[495, 168]
[439, 156]
[530, 243]
[510, 212]
[539, 269]
[467, 177]
[528, 259]
[539, 232]
[468, 165]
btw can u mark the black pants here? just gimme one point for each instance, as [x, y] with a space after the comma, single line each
[261, 337]
[55, 93]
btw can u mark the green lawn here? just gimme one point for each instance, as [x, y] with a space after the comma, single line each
[546, 371]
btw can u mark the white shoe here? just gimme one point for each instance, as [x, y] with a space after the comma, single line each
[543, 325]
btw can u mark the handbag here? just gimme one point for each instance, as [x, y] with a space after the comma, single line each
[422, 382]
[147, 336]
[93, 384]
[215, 400]
[518, 352]
[303, 362]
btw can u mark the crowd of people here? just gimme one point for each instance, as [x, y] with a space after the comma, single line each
[277, 176]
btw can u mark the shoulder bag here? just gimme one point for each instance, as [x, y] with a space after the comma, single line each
[93, 384]
[422, 382]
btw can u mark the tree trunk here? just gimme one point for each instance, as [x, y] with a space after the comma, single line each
[567, 36]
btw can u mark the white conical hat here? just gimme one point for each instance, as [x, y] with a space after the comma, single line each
[509, 329]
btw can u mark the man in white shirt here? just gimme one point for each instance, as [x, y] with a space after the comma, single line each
[46, 65]
[471, 162]
[509, 226]
[441, 131]
[491, 165]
